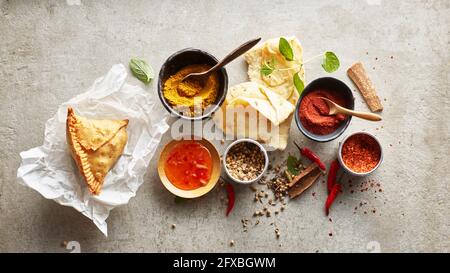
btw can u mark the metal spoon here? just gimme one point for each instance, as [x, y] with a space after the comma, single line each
[230, 57]
[336, 109]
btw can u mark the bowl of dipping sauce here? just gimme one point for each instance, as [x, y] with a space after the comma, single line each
[189, 168]
[245, 161]
[360, 153]
[311, 114]
[191, 99]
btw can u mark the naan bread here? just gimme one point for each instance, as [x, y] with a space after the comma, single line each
[272, 98]
[95, 146]
[281, 80]
[270, 104]
[252, 110]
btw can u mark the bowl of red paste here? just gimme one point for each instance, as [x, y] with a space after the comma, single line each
[312, 117]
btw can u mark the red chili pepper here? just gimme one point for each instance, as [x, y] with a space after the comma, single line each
[311, 156]
[332, 173]
[230, 191]
[334, 192]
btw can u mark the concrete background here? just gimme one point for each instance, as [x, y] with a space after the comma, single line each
[52, 50]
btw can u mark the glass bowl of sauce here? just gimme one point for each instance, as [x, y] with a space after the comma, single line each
[189, 168]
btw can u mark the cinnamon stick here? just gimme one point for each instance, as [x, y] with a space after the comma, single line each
[304, 183]
[359, 76]
[302, 174]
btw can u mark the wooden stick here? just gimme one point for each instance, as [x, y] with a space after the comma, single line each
[306, 182]
[302, 174]
[359, 76]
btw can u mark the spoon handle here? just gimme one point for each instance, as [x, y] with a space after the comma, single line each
[363, 115]
[236, 53]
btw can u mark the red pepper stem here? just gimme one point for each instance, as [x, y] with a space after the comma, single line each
[298, 146]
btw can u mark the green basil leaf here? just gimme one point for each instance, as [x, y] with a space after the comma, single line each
[268, 67]
[292, 165]
[298, 83]
[330, 62]
[286, 49]
[141, 70]
[266, 70]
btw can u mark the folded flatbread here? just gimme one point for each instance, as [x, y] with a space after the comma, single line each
[271, 98]
[271, 105]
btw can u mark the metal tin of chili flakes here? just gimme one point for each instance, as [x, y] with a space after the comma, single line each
[365, 153]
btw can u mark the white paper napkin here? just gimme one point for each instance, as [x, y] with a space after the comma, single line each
[50, 170]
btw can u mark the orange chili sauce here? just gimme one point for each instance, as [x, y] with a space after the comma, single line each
[188, 165]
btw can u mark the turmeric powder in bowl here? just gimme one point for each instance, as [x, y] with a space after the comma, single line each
[191, 92]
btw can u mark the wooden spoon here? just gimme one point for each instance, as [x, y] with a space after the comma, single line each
[336, 109]
[230, 57]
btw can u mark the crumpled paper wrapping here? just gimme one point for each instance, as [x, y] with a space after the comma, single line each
[50, 169]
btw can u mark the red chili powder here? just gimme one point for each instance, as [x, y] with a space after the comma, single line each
[361, 153]
[314, 112]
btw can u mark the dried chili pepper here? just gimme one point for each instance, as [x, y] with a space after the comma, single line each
[230, 191]
[331, 197]
[332, 173]
[311, 156]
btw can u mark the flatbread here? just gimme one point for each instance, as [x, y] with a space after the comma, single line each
[270, 104]
[272, 98]
[281, 80]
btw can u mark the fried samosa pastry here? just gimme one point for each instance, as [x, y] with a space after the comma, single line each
[95, 145]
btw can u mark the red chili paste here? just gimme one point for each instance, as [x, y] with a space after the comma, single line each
[314, 112]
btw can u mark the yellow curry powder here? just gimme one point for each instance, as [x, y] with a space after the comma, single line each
[182, 94]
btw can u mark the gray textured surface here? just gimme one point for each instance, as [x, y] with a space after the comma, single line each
[52, 50]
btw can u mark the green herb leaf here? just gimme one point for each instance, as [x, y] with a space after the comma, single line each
[330, 62]
[179, 200]
[298, 83]
[266, 70]
[286, 49]
[268, 67]
[292, 165]
[141, 70]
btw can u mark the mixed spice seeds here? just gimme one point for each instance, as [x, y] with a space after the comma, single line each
[245, 161]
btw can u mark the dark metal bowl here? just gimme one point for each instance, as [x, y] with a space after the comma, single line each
[331, 84]
[183, 58]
